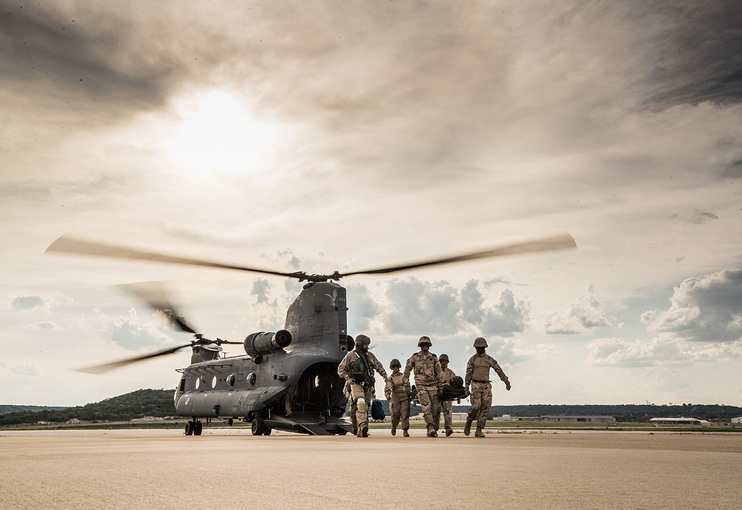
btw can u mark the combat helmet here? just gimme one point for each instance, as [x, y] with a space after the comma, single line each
[480, 342]
[443, 357]
[395, 363]
[362, 340]
[424, 340]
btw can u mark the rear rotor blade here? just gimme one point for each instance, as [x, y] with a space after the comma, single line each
[68, 244]
[558, 242]
[155, 294]
[106, 367]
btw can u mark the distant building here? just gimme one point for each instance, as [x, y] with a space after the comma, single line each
[592, 419]
[737, 421]
[679, 421]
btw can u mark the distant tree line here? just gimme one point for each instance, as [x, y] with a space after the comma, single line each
[10, 408]
[624, 412]
[159, 403]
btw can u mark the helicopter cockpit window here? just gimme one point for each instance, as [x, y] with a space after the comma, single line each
[251, 378]
[213, 381]
[231, 380]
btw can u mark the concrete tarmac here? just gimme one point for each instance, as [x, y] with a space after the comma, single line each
[230, 468]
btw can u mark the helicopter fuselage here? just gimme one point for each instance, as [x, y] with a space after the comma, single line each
[286, 380]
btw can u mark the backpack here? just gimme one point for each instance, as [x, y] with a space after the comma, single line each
[377, 410]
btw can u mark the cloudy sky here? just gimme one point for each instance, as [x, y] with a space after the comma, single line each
[349, 135]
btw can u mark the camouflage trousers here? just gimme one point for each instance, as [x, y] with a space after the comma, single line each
[400, 409]
[428, 397]
[445, 410]
[357, 391]
[481, 400]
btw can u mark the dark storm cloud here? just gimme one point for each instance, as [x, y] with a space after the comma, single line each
[84, 55]
[697, 58]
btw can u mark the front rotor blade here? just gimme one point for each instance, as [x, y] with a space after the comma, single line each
[559, 242]
[155, 294]
[106, 367]
[67, 244]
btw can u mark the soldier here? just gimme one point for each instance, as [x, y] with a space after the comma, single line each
[397, 392]
[428, 382]
[357, 367]
[446, 405]
[478, 385]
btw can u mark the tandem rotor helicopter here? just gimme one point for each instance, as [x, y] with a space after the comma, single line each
[287, 379]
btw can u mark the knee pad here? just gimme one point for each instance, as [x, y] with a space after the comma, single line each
[362, 405]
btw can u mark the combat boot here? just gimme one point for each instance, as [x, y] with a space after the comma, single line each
[449, 431]
[394, 430]
[467, 427]
[479, 432]
[405, 433]
[431, 431]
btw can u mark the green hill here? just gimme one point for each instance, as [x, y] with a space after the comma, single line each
[137, 404]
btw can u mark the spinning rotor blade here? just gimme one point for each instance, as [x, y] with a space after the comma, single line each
[68, 244]
[558, 242]
[106, 367]
[156, 296]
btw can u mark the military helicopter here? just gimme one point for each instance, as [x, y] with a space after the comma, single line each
[287, 379]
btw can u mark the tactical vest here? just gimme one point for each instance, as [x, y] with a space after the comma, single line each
[360, 370]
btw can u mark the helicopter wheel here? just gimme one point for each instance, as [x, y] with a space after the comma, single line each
[197, 428]
[189, 428]
[267, 431]
[258, 427]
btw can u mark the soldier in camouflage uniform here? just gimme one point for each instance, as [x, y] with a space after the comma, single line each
[445, 405]
[427, 380]
[478, 385]
[357, 367]
[353, 408]
[397, 392]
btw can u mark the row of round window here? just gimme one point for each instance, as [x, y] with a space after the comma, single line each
[231, 379]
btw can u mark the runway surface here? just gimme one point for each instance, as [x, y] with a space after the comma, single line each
[229, 468]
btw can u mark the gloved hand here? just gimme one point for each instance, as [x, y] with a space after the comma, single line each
[507, 385]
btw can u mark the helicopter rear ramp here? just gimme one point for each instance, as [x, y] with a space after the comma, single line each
[309, 423]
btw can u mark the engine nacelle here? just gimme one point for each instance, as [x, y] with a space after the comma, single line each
[262, 343]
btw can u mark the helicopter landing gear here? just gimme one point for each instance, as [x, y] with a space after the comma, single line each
[259, 428]
[193, 428]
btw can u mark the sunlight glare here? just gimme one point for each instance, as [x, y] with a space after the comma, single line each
[217, 133]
